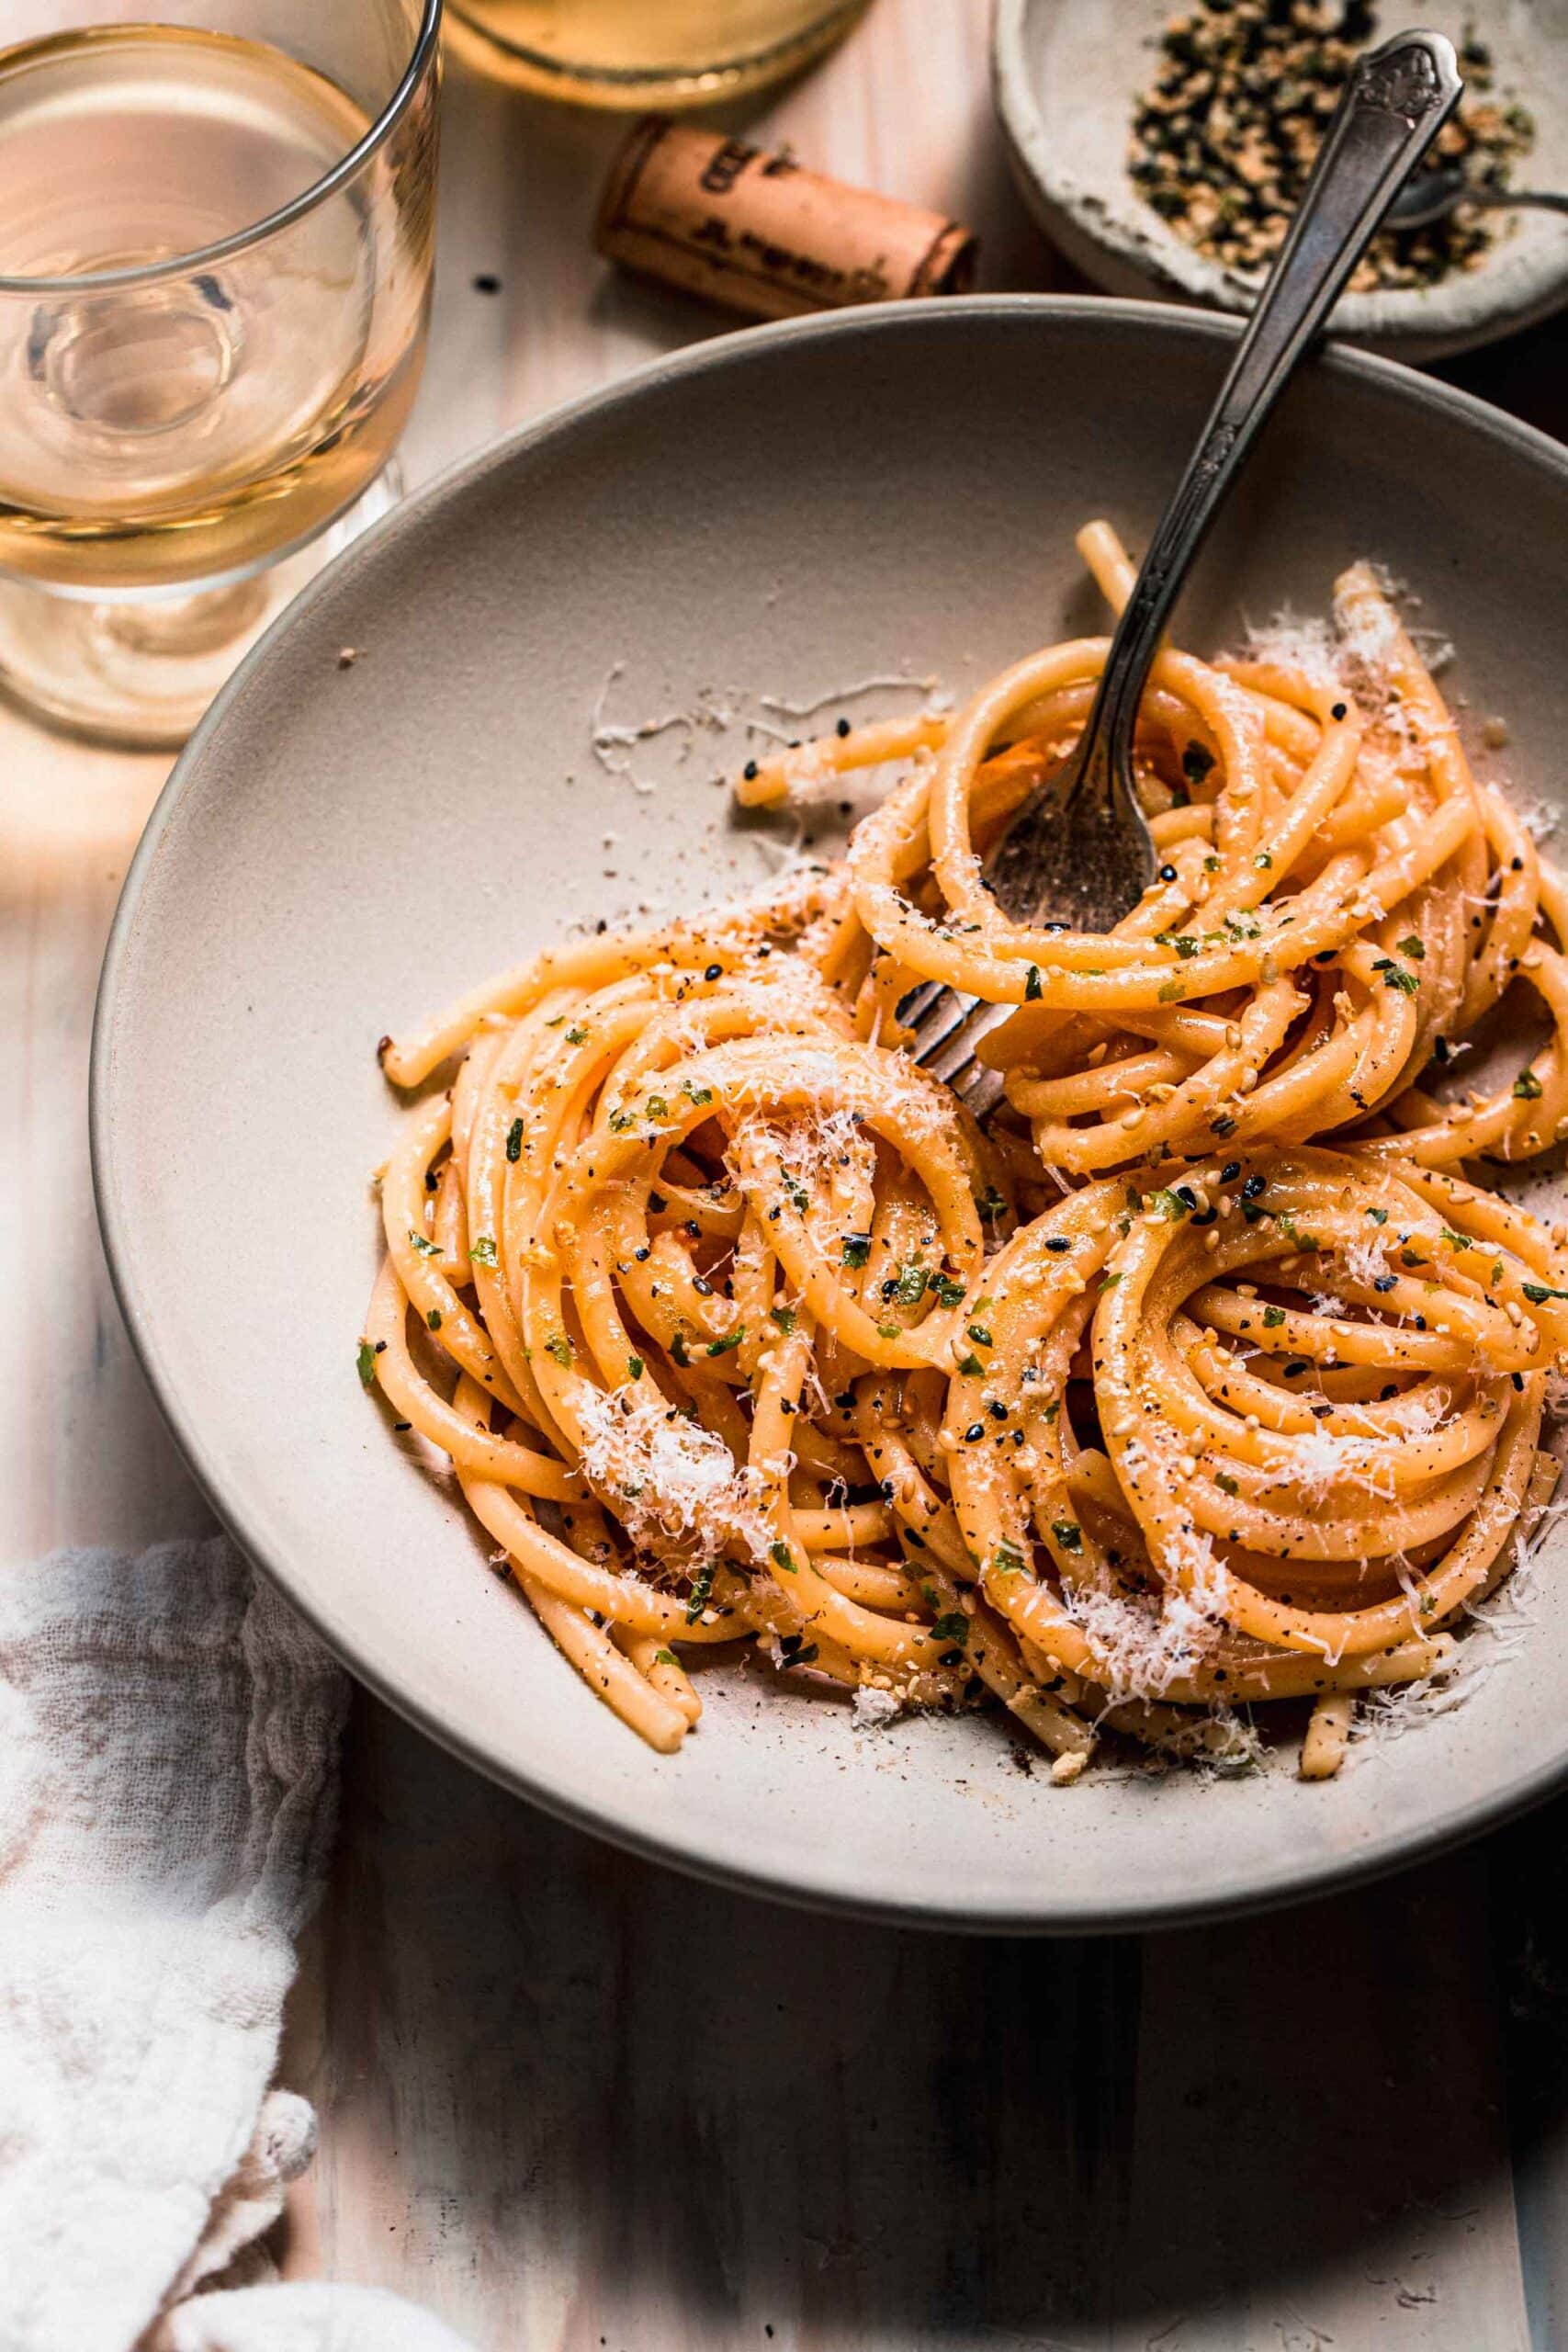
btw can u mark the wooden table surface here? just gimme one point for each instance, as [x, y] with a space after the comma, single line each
[576, 2103]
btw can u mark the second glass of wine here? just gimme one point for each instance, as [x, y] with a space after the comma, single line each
[216, 237]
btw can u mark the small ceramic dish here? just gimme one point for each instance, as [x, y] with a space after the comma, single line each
[1068, 75]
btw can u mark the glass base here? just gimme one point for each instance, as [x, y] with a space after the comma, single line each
[142, 673]
[480, 44]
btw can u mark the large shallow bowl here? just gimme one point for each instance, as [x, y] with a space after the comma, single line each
[781, 513]
[1068, 75]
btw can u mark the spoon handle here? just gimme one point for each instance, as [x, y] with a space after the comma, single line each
[1503, 199]
[1395, 100]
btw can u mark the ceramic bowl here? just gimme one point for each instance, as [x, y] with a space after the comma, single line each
[561, 648]
[1067, 75]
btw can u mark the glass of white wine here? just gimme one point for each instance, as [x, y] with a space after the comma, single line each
[215, 236]
[644, 53]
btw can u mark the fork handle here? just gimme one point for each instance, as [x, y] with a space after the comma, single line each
[1395, 100]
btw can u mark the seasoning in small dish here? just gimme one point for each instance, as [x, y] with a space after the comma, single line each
[1226, 135]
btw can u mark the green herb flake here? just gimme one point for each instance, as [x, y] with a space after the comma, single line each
[1068, 1534]
[953, 1627]
[1539, 1293]
[856, 1248]
[1007, 1560]
[1171, 992]
[1226, 1485]
[697, 1094]
[1033, 990]
[1526, 1087]
[1379, 1216]
[784, 1317]
[1272, 1318]
[366, 1362]
[971, 1366]
[980, 1335]
[558, 1346]
[426, 1248]
[949, 1292]
[730, 1339]
[1415, 947]
[514, 1141]
[783, 1558]
[697, 1600]
[1168, 1204]
[634, 1367]
[665, 1658]
[1197, 761]
[434, 1319]
[910, 1286]
[482, 1252]
[1108, 1282]
[577, 1037]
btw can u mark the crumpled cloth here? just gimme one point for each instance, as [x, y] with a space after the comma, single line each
[168, 1738]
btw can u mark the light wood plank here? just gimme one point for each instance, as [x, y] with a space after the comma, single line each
[1320, 2155]
[569, 2096]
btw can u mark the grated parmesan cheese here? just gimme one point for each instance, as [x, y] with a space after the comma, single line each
[875, 1709]
[667, 1478]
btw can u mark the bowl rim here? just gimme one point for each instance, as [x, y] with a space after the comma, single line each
[1375, 1857]
[1467, 309]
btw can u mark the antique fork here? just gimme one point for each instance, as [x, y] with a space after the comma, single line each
[1079, 853]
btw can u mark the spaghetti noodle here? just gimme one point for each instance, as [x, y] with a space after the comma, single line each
[1205, 1377]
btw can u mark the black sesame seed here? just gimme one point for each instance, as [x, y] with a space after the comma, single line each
[714, 972]
[975, 1433]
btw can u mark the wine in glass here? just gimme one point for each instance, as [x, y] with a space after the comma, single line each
[646, 52]
[215, 256]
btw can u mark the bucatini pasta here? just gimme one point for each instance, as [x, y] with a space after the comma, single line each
[1207, 1376]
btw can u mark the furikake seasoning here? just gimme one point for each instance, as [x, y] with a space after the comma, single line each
[1225, 136]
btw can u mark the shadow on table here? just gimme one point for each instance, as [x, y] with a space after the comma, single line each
[618, 2109]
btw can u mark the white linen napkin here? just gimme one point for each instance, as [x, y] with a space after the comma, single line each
[168, 1734]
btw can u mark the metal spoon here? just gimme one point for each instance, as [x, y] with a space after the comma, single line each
[1432, 195]
[1079, 854]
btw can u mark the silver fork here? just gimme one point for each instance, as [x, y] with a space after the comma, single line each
[1079, 854]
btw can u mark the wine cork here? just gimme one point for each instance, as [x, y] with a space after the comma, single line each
[706, 212]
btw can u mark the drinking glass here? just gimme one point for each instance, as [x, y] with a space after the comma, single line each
[215, 254]
[644, 53]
